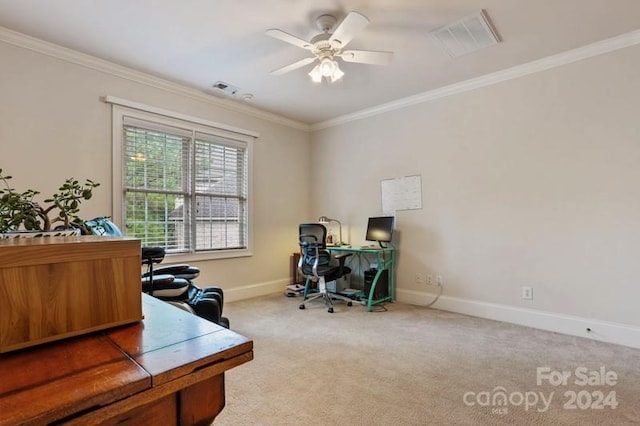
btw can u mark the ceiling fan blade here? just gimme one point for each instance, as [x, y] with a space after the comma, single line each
[367, 57]
[293, 66]
[352, 24]
[288, 38]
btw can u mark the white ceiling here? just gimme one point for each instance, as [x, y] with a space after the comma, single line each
[198, 42]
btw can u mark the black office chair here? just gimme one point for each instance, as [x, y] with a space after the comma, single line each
[172, 283]
[316, 264]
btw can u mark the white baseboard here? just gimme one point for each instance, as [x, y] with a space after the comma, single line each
[255, 290]
[604, 331]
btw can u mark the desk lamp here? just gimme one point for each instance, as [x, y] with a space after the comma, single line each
[324, 219]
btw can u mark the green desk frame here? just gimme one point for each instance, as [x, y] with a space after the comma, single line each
[385, 258]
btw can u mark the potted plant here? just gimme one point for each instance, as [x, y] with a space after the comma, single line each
[20, 213]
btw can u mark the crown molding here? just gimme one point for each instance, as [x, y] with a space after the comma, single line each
[595, 49]
[50, 49]
[554, 61]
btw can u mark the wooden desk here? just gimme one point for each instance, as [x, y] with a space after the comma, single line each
[167, 369]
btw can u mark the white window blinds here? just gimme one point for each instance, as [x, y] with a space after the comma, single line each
[184, 189]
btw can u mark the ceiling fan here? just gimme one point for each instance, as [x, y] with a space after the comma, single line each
[327, 47]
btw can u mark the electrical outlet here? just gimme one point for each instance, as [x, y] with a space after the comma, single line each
[439, 280]
[420, 278]
[430, 279]
[527, 293]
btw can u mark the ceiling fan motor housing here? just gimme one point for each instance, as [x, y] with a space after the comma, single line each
[322, 46]
[326, 22]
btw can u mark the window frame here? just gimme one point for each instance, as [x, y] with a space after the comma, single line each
[122, 109]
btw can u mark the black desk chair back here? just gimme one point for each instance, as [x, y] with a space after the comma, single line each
[318, 266]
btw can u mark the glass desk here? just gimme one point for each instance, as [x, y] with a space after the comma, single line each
[384, 258]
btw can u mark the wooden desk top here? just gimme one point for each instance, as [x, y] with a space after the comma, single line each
[163, 353]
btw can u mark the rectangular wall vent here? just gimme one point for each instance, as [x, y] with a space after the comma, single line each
[467, 35]
[226, 88]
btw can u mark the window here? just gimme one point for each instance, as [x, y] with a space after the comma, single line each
[183, 185]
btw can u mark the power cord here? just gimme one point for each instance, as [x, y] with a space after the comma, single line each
[382, 307]
[437, 297]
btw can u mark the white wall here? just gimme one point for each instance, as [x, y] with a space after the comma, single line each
[529, 182]
[53, 126]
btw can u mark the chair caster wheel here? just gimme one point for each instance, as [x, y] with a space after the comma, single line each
[301, 307]
[349, 304]
[330, 310]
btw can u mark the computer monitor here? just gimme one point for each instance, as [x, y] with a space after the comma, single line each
[380, 229]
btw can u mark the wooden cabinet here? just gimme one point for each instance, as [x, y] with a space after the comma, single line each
[167, 369]
[57, 287]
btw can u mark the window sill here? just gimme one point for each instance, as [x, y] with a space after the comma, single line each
[209, 255]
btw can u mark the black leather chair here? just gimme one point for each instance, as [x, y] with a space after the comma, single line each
[318, 266]
[172, 283]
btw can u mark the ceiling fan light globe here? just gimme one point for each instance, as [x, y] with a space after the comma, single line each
[315, 74]
[327, 67]
[337, 74]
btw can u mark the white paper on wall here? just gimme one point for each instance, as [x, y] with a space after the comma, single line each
[402, 193]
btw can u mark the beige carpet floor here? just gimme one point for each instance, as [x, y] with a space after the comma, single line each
[412, 365]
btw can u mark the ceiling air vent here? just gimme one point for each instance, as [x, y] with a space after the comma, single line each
[466, 35]
[225, 88]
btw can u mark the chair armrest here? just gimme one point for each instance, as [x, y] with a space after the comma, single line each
[152, 255]
[341, 258]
